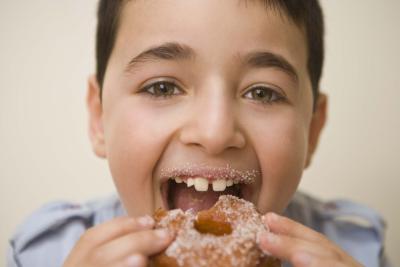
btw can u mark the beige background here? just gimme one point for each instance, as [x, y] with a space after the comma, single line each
[47, 51]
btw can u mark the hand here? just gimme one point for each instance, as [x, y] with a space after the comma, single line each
[301, 246]
[120, 242]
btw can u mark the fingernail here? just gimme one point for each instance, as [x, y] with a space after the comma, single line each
[267, 239]
[270, 238]
[264, 219]
[273, 217]
[134, 261]
[162, 233]
[145, 220]
[266, 252]
[302, 258]
[261, 243]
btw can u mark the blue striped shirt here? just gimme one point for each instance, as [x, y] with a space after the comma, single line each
[48, 235]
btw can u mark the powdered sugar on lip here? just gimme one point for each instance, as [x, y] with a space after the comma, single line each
[210, 172]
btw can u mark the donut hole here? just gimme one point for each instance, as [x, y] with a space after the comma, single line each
[208, 222]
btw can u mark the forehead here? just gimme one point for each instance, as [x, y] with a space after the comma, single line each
[212, 28]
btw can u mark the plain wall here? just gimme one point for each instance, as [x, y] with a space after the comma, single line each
[47, 52]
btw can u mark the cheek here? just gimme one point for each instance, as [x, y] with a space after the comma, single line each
[281, 149]
[134, 141]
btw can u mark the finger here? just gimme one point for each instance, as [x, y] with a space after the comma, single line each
[308, 260]
[135, 260]
[285, 226]
[96, 236]
[144, 243]
[287, 247]
[115, 228]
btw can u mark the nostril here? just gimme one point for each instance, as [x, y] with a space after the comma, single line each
[212, 137]
[239, 140]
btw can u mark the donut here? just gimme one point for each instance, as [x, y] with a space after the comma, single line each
[223, 236]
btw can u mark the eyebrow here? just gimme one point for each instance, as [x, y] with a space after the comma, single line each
[165, 51]
[266, 59]
[175, 52]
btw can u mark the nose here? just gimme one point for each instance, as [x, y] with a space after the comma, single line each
[212, 122]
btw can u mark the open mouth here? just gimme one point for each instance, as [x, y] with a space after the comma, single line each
[199, 193]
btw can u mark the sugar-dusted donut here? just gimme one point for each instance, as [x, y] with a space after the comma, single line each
[222, 236]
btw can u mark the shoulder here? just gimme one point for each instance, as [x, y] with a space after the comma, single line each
[46, 237]
[358, 229]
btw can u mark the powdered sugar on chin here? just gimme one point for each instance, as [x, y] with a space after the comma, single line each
[239, 249]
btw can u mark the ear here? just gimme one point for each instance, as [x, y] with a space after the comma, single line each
[95, 110]
[317, 124]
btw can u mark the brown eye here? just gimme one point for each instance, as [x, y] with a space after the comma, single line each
[263, 94]
[162, 89]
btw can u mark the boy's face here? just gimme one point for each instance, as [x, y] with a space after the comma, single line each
[231, 98]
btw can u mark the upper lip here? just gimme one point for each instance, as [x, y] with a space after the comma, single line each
[211, 173]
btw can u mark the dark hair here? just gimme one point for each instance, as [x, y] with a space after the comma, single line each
[307, 14]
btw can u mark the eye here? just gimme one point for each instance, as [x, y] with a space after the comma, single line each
[162, 89]
[264, 94]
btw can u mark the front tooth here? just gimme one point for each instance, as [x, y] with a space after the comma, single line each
[190, 182]
[178, 180]
[229, 183]
[219, 185]
[200, 184]
[235, 181]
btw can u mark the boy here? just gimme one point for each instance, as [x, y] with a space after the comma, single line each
[212, 91]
